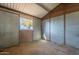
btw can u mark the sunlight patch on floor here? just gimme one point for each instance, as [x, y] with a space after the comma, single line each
[43, 41]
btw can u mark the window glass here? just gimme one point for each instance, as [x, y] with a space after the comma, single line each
[26, 24]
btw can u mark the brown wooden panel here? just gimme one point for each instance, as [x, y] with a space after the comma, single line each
[26, 35]
[71, 7]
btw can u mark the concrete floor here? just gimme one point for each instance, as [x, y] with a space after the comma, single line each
[40, 47]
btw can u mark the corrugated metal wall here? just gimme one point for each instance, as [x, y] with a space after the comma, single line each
[9, 29]
[71, 24]
[46, 29]
[72, 29]
[57, 29]
[63, 33]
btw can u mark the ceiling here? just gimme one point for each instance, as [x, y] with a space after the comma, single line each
[35, 9]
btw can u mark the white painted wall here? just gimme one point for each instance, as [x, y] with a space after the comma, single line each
[36, 29]
[9, 29]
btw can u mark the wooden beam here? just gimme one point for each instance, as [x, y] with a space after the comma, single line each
[48, 14]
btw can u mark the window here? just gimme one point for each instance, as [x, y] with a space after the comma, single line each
[26, 24]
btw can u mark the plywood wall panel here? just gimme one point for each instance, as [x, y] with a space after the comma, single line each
[26, 35]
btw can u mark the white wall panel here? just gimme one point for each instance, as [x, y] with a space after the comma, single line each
[57, 29]
[72, 29]
[46, 30]
[9, 29]
[36, 29]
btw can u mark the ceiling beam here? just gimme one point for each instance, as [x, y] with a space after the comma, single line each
[42, 7]
[47, 15]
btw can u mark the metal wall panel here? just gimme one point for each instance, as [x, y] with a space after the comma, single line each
[9, 29]
[57, 29]
[36, 29]
[46, 30]
[72, 29]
